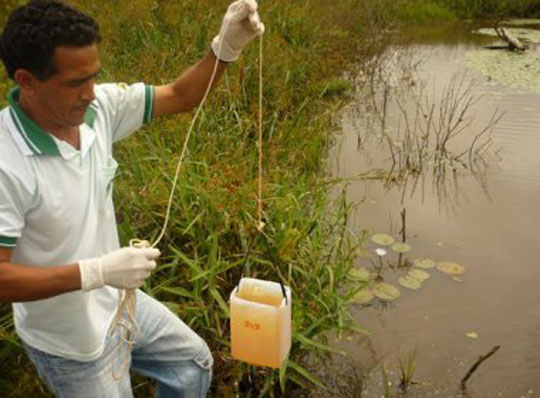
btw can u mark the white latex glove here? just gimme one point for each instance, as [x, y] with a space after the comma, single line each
[126, 268]
[240, 24]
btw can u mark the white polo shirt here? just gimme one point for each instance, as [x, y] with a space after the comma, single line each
[56, 208]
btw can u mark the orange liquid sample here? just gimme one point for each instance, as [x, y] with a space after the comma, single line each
[258, 294]
[260, 323]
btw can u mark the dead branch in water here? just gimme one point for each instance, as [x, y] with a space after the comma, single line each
[403, 225]
[513, 43]
[476, 365]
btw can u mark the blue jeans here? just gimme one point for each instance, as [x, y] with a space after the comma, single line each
[166, 350]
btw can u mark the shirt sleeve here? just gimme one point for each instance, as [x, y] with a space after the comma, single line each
[127, 107]
[14, 203]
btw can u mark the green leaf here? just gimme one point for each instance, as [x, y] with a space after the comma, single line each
[188, 228]
[382, 239]
[410, 283]
[360, 330]
[451, 268]
[360, 273]
[419, 275]
[309, 342]
[401, 248]
[283, 374]
[215, 294]
[306, 374]
[298, 381]
[179, 291]
[330, 278]
[316, 324]
[364, 296]
[201, 275]
[425, 263]
[191, 263]
[386, 291]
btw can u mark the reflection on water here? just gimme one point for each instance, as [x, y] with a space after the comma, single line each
[495, 236]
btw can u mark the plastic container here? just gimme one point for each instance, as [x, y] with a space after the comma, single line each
[260, 322]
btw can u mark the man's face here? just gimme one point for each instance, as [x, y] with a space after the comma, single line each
[66, 95]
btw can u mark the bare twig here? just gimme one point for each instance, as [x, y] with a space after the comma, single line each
[403, 225]
[476, 365]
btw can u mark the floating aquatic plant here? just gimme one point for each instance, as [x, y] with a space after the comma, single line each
[520, 71]
[425, 263]
[419, 274]
[413, 280]
[364, 296]
[386, 291]
[401, 248]
[360, 273]
[451, 268]
[410, 283]
[382, 239]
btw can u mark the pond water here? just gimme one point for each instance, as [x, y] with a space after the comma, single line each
[490, 228]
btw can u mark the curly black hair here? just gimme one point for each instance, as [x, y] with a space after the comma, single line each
[34, 30]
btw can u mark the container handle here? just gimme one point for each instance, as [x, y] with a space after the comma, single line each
[251, 241]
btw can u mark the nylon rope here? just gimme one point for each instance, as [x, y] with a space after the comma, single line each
[260, 224]
[128, 326]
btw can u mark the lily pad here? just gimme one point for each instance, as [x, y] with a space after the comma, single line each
[386, 291]
[425, 263]
[382, 239]
[401, 248]
[360, 273]
[410, 283]
[449, 267]
[364, 296]
[418, 274]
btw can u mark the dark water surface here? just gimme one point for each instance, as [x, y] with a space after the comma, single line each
[494, 234]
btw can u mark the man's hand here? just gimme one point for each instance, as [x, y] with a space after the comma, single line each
[126, 268]
[240, 25]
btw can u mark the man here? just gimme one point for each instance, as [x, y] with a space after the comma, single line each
[60, 260]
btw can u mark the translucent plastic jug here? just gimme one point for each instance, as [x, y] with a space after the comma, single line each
[260, 322]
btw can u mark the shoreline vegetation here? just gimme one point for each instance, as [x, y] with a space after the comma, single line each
[308, 48]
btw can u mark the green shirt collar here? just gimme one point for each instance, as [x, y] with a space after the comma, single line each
[38, 140]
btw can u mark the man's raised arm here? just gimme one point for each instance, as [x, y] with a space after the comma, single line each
[240, 25]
